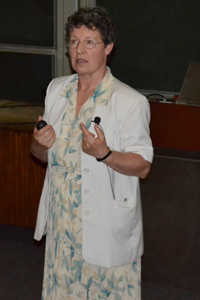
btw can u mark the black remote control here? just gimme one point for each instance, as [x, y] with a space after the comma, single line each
[40, 124]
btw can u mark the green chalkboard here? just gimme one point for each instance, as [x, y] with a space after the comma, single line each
[156, 42]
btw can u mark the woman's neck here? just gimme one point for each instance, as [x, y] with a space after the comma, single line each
[90, 82]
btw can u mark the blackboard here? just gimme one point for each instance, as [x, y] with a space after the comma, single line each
[156, 41]
[25, 22]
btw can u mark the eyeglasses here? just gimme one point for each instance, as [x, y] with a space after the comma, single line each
[88, 44]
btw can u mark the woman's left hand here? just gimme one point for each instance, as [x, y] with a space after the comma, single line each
[94, 146]
[131, 164]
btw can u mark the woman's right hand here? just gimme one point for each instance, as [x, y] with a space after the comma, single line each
[43, 140]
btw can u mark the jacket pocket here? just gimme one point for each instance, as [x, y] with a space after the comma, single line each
[129, 202]
[115, 234]
[124, 217]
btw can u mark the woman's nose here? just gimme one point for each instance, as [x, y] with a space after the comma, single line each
[80, 48]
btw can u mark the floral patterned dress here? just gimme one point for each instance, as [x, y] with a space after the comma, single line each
[66, 274]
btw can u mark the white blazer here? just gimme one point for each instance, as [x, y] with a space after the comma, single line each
[112, 232]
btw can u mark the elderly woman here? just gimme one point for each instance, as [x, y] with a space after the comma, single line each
[97, 145]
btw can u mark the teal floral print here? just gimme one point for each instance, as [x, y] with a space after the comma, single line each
[67, 276]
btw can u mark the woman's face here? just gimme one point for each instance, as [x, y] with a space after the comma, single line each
[88, 61]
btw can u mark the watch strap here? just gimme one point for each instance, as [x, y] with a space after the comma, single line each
[106, 156]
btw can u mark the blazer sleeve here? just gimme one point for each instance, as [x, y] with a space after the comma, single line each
[134, 132]
[46, 107]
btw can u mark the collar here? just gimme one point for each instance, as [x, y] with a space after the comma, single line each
[101, 95]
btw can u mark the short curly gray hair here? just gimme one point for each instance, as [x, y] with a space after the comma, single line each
[92, 18]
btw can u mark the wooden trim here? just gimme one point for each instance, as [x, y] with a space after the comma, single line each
[175, 126]
[21, 180]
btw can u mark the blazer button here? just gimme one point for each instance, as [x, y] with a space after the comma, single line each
[86, 170]
[87, 212]
[86, 191]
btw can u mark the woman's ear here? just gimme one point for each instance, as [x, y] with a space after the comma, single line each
[109, 48]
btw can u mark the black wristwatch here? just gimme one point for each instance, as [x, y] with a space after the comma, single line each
[106, 156]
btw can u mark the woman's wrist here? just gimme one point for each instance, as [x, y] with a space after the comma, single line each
[106, 156]
[38, 151]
